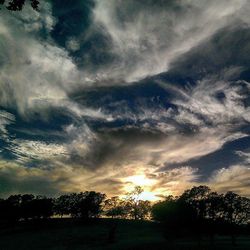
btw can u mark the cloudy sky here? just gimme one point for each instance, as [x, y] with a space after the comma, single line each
[104, 95]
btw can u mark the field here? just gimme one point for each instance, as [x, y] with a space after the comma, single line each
[63, 234]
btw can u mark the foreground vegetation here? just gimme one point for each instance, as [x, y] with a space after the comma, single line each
[95, 234]
[197, 219]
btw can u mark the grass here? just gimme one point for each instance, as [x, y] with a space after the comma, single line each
[64, 234]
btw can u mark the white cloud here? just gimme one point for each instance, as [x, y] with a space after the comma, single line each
[34, 21]
[73, 45]
[245, 156]
[6, 119]
[81, 140]
[235, 178]
[33, 72]
[202, 100]
[152, 44]
[28, 150]
[212, 122]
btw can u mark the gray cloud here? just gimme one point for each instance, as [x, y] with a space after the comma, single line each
[17, 179]
[180, 26]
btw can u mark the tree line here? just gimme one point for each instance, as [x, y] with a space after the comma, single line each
[197, 210]
[200, 211]
[85, 205]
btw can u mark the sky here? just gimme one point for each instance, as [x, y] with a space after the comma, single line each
[106, 95]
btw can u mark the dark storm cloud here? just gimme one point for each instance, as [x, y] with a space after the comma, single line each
[98, 91]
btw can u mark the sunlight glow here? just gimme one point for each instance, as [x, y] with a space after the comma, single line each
[142, 181]
[139, 180]
[150, 196]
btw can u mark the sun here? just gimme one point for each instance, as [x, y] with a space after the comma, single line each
[149, 196]
[142, 181]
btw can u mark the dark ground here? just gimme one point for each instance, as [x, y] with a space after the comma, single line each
[62, 234]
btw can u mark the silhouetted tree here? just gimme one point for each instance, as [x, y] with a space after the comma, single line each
[17, 5]
[175, 214]
[115, 207]
[62, 205]
[85, 204]
[214, 214]
[214, 206]
[204, 211]
[27, 210]
[142, 210]
[197, 210]
[25, 207]
[136, 208]
[91, 204]
[42, 207]
[2, 209]
[9, 209]
[129, 207]
[12, 208]
[197, 198]
[236, 210]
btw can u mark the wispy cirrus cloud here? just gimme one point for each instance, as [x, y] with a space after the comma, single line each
[234, 178]
[181, 25]
[6, 118]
